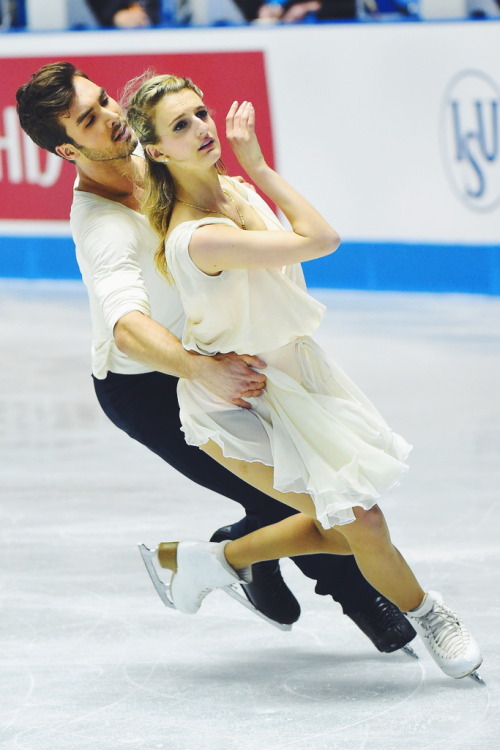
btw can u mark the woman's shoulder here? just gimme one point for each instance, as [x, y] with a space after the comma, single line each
[252, 197]
[182, 231]
[242, 188]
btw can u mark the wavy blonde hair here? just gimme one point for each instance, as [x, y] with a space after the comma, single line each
[140, 99]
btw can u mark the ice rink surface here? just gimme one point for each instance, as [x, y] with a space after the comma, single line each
[92, 660]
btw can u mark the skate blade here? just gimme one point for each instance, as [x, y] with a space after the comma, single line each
[476, 677]
[162, 589]
[233, 592]
[408, 650]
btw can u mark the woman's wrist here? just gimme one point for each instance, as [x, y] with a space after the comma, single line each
[260, 173]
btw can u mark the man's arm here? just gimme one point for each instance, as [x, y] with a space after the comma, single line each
[229, 376]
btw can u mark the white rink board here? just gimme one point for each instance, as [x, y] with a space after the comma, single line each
[358, 116]
[392, 130]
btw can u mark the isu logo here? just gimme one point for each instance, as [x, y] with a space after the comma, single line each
[20, 159]
[470, 139]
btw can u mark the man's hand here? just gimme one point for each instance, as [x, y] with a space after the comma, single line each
[242, 181]
[231, 377]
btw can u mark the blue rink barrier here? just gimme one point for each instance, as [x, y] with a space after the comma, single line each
[37, 258]
[384, 266]
[408, 267]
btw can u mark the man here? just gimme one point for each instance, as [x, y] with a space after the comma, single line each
[137, 319]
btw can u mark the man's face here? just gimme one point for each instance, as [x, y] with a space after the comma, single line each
[96, 125]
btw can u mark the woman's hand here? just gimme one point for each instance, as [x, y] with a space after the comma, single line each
[240, 132]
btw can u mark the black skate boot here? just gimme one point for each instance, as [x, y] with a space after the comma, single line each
[383, 623]
[268, 591]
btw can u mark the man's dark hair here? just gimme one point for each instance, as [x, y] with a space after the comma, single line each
[43, 99]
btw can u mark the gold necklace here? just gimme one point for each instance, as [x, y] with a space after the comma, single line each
[213, 211]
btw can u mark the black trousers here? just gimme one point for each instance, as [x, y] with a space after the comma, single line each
[145, 407]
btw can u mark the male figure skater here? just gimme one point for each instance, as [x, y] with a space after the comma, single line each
[136, 321]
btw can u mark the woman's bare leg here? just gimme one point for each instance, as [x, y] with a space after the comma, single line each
[296, 535]
[367, 538]
[261, 477]
[378, 559]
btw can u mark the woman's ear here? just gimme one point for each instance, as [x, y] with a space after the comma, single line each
[155, 154]
[67, 151]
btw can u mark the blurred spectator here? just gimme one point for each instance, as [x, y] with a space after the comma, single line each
[296, 10]
[12, 14]
[125, 14]
[483, 8]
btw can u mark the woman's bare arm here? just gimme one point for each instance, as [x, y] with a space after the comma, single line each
[218, 247]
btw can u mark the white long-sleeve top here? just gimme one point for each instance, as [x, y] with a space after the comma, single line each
[115, 249]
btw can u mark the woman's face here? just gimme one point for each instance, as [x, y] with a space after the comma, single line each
[187, 133]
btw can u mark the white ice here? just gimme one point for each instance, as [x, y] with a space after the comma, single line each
[92, 660]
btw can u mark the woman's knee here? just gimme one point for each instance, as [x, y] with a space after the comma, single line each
[370, 519]
[369, 525]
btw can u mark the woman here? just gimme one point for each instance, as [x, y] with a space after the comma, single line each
[313, 440]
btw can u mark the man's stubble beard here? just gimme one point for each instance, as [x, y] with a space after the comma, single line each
[100, 155]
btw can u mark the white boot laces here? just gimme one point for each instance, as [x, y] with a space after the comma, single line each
[446, 630]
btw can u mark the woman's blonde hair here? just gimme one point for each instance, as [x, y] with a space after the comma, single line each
[140, 98]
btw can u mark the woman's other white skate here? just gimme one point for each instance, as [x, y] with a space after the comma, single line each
[164, 589]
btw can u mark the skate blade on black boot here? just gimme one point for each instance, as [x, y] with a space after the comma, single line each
[233, 592]
[267, 592]
[386, 627]
[163, 589]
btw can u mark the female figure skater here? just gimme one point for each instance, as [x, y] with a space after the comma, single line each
[312, 440]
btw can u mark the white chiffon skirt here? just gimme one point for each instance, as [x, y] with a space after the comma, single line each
[312, 424]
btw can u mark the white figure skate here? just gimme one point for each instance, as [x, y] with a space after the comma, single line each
[446, 638]
[203, 568]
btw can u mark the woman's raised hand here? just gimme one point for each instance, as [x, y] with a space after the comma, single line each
[240, 132]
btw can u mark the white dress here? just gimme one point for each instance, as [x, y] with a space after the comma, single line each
[318, 430]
